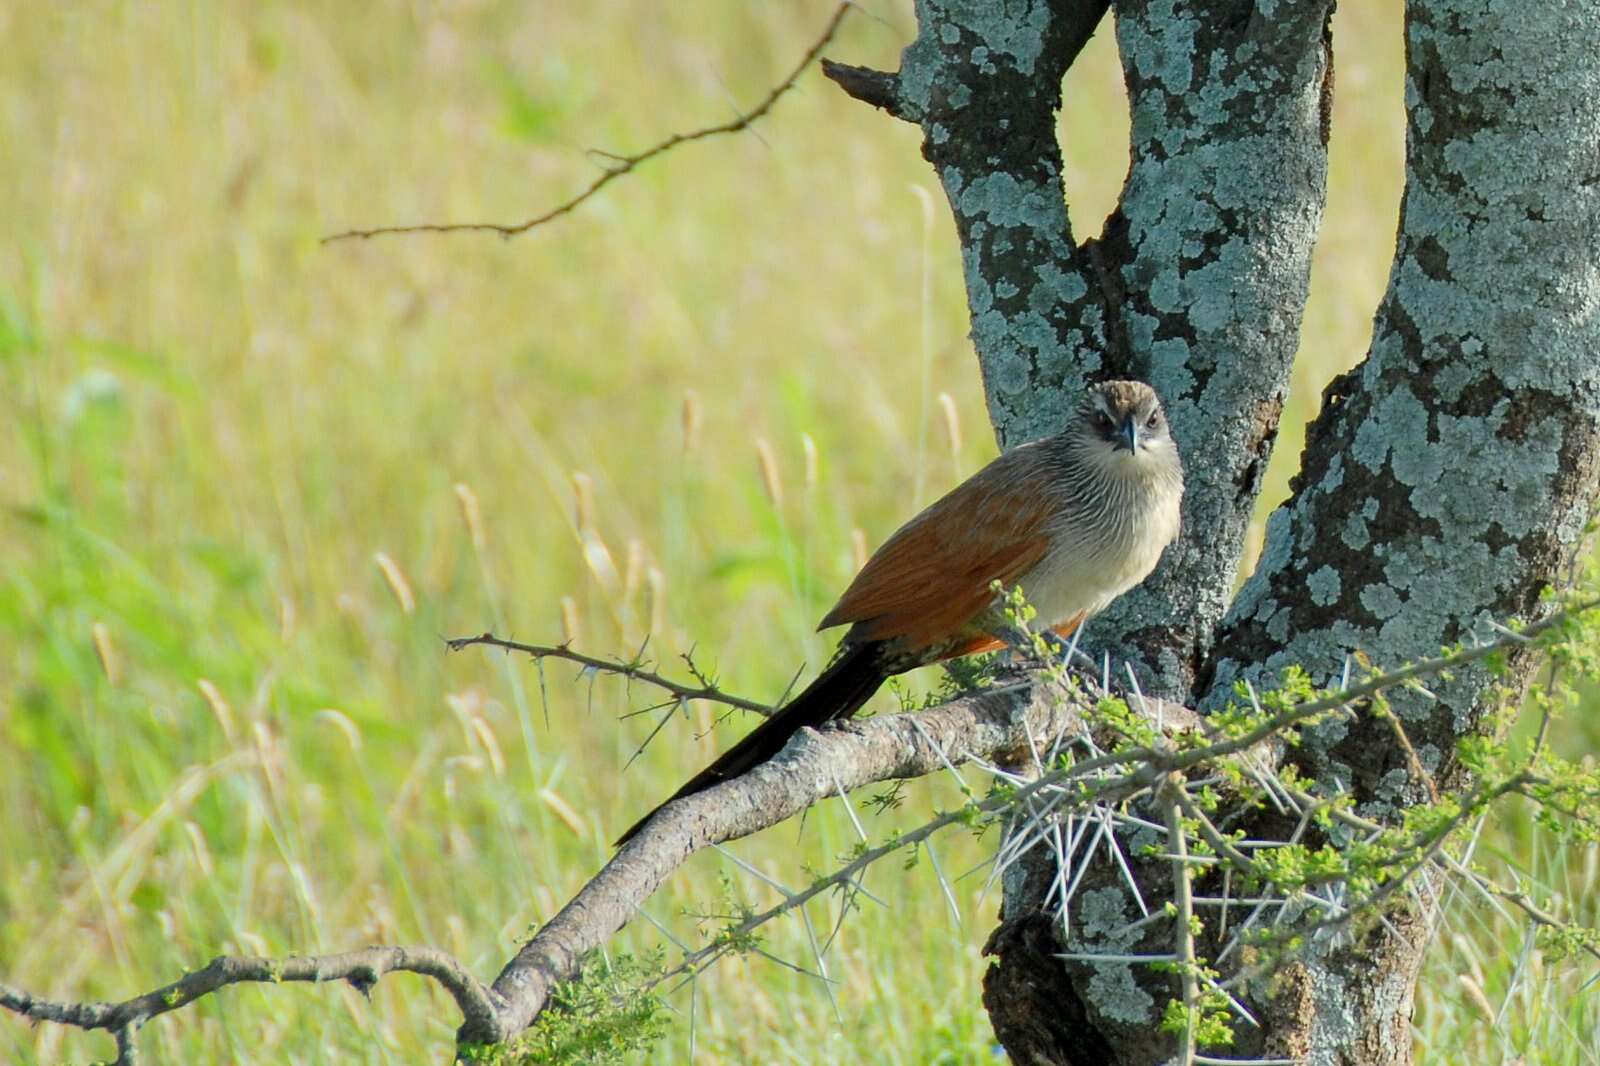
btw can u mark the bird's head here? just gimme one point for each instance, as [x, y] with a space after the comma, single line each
[1122, 424]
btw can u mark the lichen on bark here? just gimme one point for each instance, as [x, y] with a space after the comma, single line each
[1445, 481]
[1198, 281]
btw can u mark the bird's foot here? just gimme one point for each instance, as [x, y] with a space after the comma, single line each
[838, 725]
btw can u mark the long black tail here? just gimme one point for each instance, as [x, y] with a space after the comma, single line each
[848, 682]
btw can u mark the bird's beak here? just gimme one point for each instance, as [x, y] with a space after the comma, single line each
[1129, 436]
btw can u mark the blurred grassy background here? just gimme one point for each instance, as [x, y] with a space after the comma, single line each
[237, 466]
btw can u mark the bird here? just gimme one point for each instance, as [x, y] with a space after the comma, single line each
[1073, 520]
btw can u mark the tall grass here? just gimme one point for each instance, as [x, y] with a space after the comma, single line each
[247, 482]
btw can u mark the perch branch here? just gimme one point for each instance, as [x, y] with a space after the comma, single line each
[618, 165]
[994, 724]
[814, 766]
[999, 724]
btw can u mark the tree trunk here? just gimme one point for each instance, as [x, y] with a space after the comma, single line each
[1446, 480]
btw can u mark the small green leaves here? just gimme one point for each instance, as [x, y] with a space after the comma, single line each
[600, 1018]
[1208, 1020]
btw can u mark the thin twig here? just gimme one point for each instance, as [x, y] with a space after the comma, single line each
[1355, 694]
[1183, 933]
[633, 671]
[1419, 771]
[1545, 712]
[698, 960]
[617, 164]
[1519, 899]
[1213, 836]
[1431, 847]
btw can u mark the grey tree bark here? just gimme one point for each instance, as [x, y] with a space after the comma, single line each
[1446, 480]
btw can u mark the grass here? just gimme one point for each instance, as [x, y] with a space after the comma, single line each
[227, 727]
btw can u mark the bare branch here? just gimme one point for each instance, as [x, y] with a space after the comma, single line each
[994, 724]
[997, 724]
[616, 165]
[360, 968]
[813, 766]
[633, 671]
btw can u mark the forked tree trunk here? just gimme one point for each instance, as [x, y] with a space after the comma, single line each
[1445, 481]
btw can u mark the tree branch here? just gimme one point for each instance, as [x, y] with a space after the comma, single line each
[619, 165]
[814, 766]
[999, 724]
[360, 968]
[1004, 724]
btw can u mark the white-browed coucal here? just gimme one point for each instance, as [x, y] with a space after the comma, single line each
[1073, 520]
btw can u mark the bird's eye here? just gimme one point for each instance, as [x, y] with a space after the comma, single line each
[1153, 421]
